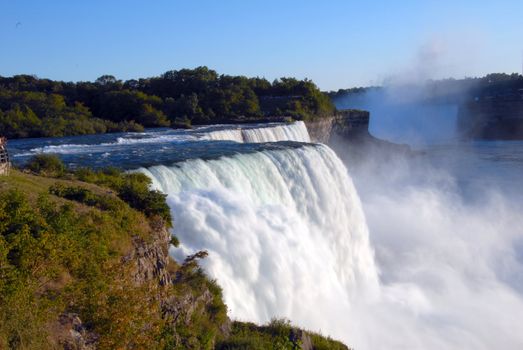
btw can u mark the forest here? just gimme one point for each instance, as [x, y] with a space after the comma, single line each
[491, 86]
[35, 107]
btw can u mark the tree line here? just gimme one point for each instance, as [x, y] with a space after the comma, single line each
[34, 107]
[491, 86]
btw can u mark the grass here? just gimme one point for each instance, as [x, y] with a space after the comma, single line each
[62, 246]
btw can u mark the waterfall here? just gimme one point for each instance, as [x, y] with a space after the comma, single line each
[284, 229]
[225, 135]
[287, 237]
[296, 131]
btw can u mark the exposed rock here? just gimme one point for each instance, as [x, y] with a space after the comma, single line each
[301, 337]
[151, 258]
[348, 123]
[320, 130]
[348, 134]
[493, 118]
[182, 308]
[73, 335]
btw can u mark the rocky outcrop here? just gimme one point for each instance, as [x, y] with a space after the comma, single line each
[348, 123]
[72, 333]
[180, 299]
[301, 337]
[492, 118]
[320, 130]
[150, 259]
[348, 134]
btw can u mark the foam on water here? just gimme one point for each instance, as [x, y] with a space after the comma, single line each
[296, 131]
[284, 229]
[287, 237]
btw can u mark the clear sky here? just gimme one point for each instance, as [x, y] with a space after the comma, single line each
[335, 43]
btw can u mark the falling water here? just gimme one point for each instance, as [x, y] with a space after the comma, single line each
[284, 229]
[296, 131]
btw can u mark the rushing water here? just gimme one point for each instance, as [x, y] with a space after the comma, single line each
[159, 146]
[284, 229]
[429, 258]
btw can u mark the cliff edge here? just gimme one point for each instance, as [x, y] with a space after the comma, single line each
[347, 133]
[84, 264]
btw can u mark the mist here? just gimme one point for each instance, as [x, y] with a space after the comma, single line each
[404, 114]
[447, 240]
[418, 103]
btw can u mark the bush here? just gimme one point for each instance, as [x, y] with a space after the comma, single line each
[132, 188]
[47, 165]
[85, 196]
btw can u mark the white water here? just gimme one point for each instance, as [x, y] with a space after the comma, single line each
[225, 135]
[292, 132]
[284, 229]
[287, 237]
[296, 131]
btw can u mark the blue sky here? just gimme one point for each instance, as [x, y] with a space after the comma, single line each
[335, 43]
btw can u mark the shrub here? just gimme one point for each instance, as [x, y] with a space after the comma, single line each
[46, 164]
[132, 188]
[85, 196]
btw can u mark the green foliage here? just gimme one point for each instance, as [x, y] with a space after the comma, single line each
[175, 241]
[63, 249]
[278, 334]
[54, 258]
[133, 188]
[86, 196]
[46, 164]
[326, 343]
[32, 107]
[63, 253]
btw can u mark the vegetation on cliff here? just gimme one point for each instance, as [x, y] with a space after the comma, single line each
[491, 86]
[32, 107]
[489, 107]
[84, 265]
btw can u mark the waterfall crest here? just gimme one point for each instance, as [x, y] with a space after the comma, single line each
[284, 229]
[296, 131]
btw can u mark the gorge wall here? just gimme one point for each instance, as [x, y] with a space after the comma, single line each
[492, 118]
[347, 133]
[347, 123]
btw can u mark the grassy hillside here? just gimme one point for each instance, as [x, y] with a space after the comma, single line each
[84, 265]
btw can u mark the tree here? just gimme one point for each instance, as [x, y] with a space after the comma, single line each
[106, 80]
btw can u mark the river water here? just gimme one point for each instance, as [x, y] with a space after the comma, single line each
[418, 252]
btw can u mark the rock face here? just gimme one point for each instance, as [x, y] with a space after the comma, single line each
[5, 164]
[179, 303]
[74, 335]
[348, 134]
[300, 337]
[348, 123]
[320, 130]
[494, 118]
[150, 259]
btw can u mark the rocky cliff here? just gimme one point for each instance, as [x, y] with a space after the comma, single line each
[82, 269]
[349, 123]
[185, 305]
[347, 133]
[493, 117]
